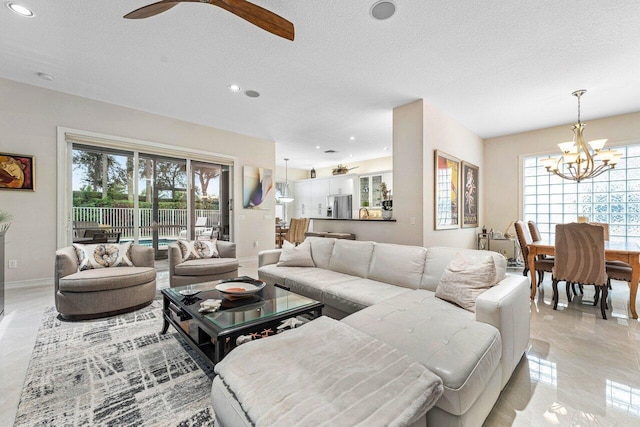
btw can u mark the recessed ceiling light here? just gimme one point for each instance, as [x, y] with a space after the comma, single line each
[386, 148]
[383, 9]
[234, 88]
[45, 76]
[352, 138]
[20, 10]
[252, 93]
[350, 155]
[317, 147]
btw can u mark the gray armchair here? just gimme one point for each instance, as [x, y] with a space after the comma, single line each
[102, 292]
[202, 270]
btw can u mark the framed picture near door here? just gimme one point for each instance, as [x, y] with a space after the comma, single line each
[470, 176]
[17, 172]
[447, 185]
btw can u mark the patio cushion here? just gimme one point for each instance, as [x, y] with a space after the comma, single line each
[207, 266]
[107, 278]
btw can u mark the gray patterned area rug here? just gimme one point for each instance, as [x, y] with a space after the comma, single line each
[118, 371]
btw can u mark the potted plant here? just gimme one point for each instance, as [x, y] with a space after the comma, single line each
[5, 220]
[387, 203]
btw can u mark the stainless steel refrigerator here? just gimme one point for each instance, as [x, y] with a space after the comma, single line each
[341, 206]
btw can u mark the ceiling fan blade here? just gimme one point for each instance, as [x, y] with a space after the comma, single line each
[151, 9]
[258, 16]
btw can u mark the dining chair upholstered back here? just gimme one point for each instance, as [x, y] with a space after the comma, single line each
[297, 228]
[541, 264]
[580, 258]
[579, 254]
[605, 226]
[533, 229]
[524, 238]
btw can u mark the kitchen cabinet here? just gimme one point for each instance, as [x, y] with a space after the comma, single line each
[320, 189]
[342, 184]
[370, 189]
[310, 195]
[302, 199]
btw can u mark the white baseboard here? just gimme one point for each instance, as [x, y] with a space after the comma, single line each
[34, 283]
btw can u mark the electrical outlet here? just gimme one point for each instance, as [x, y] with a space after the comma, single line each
[13, 263]
[255, 244]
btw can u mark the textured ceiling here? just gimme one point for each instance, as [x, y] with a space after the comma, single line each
[496, 67]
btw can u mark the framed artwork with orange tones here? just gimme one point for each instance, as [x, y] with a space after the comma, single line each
[17, 172]
[447, 186]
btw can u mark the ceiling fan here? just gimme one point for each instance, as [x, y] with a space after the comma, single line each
[253, 13]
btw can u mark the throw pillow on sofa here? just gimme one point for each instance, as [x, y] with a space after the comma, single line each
[465, 279]
[103, 255]
[198, 249]
[296, 256]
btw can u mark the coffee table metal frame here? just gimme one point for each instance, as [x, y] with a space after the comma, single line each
[213, 341]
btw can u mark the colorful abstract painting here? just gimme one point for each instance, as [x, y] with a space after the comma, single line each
[257, 183]
[16, 172]
[447, 183]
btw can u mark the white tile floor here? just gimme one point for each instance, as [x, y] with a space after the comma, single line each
[580, 370]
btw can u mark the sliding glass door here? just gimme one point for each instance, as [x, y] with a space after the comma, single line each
[148, 199]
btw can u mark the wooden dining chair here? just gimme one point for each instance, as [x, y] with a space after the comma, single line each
[579, 258]
[524, 238]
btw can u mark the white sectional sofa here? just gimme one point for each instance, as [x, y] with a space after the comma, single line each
[388, 292]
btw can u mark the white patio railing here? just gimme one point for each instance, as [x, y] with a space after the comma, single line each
[170, 221]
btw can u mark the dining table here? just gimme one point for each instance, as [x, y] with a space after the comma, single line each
[628, 252]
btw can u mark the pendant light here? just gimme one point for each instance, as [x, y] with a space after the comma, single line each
[286, 197]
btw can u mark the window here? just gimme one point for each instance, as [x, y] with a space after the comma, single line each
[612, 198]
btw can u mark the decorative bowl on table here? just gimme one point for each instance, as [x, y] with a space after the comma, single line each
[239, 289]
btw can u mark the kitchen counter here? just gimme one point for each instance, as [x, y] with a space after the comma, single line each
[354, 219]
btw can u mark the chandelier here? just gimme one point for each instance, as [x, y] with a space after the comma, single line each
[581, 161]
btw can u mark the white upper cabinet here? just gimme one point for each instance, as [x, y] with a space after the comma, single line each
[370, 187]
[342, 184]
[319, 192]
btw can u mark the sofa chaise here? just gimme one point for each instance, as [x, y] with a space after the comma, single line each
[387, 292]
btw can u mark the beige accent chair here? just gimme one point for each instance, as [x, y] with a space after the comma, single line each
[202, 270]
[102, 292]
[580, 259]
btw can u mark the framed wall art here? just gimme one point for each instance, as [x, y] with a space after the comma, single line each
[447, 185]
[256, 185]
[17, 172]
[470, 187]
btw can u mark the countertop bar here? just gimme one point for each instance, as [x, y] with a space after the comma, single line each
[355, 219]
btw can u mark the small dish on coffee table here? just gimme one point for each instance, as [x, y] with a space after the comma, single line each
[239, 289]
[189, 293]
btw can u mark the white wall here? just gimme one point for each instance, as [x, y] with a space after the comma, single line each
[30, 116]
[502, 166]
[443, 133]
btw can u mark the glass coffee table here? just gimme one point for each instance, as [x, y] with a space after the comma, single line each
[213, 335]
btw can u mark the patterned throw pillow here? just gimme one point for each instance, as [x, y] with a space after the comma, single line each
[197, 249]
[103, 255]
[465, 279]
